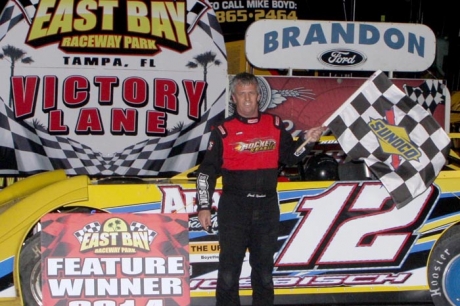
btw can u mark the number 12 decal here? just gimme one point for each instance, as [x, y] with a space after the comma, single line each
[351, 224]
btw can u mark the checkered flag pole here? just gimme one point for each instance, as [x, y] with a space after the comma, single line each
[398, 139]
[93, 227]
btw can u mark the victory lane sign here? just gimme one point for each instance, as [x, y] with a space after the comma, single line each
[135, 93]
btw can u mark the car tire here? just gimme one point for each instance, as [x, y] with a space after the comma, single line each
[444, 268]
[30, 271]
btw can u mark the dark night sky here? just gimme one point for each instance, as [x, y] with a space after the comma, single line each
[440, 15]
[434, 14]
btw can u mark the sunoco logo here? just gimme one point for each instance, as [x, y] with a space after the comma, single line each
[394, 139]
[342, 58]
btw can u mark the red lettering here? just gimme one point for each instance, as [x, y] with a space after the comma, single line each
[156, 123]
[76, 91]
[135, 91]
[49, 92]
[24, 93]
[165, 97]
[194, 92]
[56, 123]
[106, 85]
[124, 121]
[89, 122]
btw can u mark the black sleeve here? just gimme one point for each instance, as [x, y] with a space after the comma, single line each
[209, 170]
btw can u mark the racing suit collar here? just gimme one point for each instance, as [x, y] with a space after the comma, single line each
[251, 120]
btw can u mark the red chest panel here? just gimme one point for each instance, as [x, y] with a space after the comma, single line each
[251, 146]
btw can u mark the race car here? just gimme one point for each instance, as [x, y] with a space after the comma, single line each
[342, 240]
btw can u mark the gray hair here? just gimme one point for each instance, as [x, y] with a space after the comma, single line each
[244, 78]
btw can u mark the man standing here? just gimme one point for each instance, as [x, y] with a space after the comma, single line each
[247, 150]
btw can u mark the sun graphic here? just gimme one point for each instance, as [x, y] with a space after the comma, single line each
[115, 225]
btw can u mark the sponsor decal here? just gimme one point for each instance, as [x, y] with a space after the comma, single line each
[256, 146]
[394, 139]
[307, 44]
[317, 281]
[114, 236]
[203, 187]
[342, 58]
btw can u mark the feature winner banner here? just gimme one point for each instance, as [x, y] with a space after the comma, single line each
[108, 88]
[333, 45]
[115, 259]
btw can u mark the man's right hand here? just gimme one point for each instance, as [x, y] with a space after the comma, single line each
[204, 216]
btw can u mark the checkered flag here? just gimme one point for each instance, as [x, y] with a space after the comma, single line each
[195, 9]
[209, 24]
[93, 227]
[9, 17]
[140, 227]
[14, 12]
[398, 139]
[429, 94]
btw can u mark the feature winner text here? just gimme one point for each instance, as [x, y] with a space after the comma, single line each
[113, 277]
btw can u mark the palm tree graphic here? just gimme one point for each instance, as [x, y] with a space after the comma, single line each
[12, 55]
[204, 60]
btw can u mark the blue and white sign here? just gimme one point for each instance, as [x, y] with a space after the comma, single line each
[334, 45]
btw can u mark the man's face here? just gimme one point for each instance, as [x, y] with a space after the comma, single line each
[246, 99]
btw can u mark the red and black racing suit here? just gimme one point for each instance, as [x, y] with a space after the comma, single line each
[247, 154]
